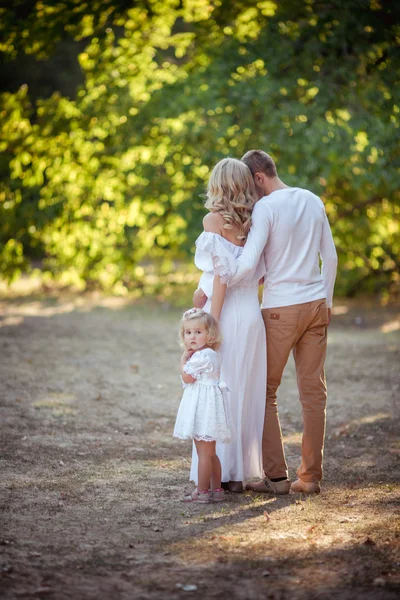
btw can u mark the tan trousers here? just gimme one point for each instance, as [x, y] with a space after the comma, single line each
[303, 329]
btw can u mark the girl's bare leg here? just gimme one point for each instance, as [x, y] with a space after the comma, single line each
[205, 452]
[216, 472]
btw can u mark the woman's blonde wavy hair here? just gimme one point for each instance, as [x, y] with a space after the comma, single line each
[231, 193]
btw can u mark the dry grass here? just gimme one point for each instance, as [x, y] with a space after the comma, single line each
[91, 477]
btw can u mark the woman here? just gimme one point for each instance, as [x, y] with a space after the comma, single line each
[230, 198]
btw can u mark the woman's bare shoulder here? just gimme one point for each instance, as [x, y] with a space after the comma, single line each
[213, 222]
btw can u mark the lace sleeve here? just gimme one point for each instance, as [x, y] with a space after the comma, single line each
[199, 363]
[223, 262]
[222, 268]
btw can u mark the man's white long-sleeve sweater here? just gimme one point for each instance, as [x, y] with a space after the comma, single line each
[291, 231]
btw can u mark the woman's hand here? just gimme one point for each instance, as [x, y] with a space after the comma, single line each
[199, 298]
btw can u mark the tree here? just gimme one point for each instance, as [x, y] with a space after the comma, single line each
[101, 181]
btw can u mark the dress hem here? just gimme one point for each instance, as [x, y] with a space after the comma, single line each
[202, 438]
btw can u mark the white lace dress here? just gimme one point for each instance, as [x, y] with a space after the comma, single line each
[202, 414]
[243, 357]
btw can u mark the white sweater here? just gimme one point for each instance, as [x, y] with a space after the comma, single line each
[291, 229]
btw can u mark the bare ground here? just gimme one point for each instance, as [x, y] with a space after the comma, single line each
[91, 477]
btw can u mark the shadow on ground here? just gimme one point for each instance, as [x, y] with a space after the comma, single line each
[91, 477]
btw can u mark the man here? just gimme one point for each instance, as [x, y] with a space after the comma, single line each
[290, 227]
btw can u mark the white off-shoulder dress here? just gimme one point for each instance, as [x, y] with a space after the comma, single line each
[243, 356]
[203, 413]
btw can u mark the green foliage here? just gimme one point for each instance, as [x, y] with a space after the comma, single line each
[101, 185]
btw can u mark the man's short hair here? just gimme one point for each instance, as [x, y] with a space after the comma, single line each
[259, 161]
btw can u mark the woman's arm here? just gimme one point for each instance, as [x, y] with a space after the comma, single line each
[218, 297]
[213, 222]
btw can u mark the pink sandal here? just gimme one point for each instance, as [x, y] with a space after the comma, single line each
[198, 496]
[218, 495]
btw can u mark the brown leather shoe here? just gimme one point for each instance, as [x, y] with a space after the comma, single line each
[266, 486]
[305, 487]
[233, 486]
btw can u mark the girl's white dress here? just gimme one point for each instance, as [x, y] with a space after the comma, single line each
[243, 357]
[202, 414]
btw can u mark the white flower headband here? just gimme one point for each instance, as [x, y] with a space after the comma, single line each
[189, 312]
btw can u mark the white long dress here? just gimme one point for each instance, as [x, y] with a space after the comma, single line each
[243, 357]
[203, 412]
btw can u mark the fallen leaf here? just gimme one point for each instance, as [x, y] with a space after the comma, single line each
[266, 515]
[61, 463]
[266, 573]
[187, 587]
[43, 589]
[7, 569]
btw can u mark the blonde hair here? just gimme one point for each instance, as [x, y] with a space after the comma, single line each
[231, 192]
[214, 337]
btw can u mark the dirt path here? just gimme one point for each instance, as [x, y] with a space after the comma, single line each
[91, 477]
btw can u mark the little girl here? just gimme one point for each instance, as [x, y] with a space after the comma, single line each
[203, 412]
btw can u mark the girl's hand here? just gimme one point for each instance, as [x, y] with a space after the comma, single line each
[186, 355]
